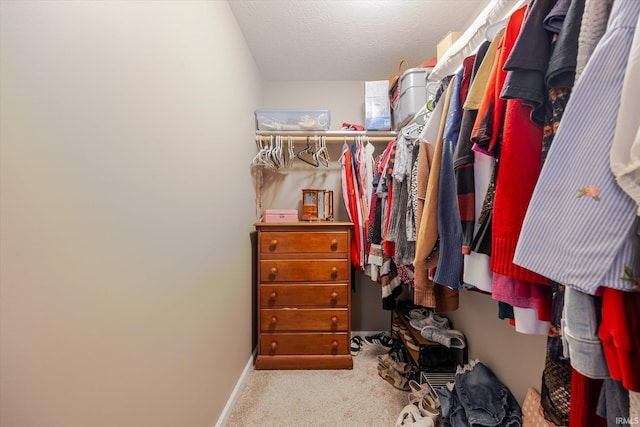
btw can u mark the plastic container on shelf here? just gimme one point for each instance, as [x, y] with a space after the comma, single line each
[377, 108]
[284, 119]
[413, 95]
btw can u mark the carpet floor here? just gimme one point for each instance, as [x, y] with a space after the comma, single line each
[356, 397]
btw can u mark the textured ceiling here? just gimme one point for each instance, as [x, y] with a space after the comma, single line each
[347, 39]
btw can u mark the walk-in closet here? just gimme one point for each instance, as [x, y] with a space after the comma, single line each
[353, 213]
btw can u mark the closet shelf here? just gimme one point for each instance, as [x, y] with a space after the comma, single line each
[331, 135]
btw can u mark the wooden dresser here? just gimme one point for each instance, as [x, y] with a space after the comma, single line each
[304, 295]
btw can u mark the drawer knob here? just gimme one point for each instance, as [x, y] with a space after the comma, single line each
[334, 271]
[273, 244]
[274, 320]
[334, 320]
[334, 244]
[334, 296]
[334, 344]
[274, 345]
[274, 271]
[273, 295]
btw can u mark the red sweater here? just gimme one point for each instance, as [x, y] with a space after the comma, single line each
[504, 129]
[519, 167]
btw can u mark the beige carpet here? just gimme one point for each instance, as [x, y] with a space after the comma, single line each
[319, 398]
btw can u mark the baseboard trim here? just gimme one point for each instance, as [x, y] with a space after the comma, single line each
[236, 391]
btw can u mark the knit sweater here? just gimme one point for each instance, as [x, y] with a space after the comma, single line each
[594, 24]
[449, 270]
[520, 156]
[506, 126]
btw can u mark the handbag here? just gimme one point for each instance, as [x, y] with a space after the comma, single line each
[394, 80]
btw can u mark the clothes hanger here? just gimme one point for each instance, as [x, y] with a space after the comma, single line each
[261, 158]
[412, 131]
[493, 29]
[423, 115]
[271, 153]
[432, 88]
[321, 154]
[308, 155]
[290, 151]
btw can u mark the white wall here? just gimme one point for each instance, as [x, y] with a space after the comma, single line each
[126, 208]
[515, 358]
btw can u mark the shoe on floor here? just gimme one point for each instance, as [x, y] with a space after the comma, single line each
[356, 345]
[388, 361]
[382, 339]
[393, 377]
[410, 417]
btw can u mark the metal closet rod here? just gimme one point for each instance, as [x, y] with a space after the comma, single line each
[332, 135]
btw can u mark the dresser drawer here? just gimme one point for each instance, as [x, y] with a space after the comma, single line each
[329, 270]
[282, 242]
[329, 295]
[304, 319]
[299, 344]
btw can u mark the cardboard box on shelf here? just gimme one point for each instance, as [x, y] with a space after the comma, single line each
[447, 41]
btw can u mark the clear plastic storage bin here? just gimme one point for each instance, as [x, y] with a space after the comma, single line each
[293, 119]
[413, 95]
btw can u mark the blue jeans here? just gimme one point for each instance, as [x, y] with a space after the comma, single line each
[451, 408]
[480, 399]
[580, 323]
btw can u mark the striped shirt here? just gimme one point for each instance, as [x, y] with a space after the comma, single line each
[578, 229]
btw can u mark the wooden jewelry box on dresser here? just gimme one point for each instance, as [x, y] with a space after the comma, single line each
[304, 295]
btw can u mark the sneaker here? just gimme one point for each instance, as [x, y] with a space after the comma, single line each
[356, 345]
[447, 337]
[419, 313]
[436, 320]
[382, 339]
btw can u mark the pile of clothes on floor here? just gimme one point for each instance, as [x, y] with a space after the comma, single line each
[475, 398]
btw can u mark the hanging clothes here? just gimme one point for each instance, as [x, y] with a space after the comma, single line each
[518, 152]
[592, 28]
[427, 293]
[380, 265]
[577, 208]
[477, 272]
[565, 22]
[625, 148]
[463, 155]
[357, 177]
[598, 238]
[503, 129]
[352, 204]
[401, 221]
[449, 268]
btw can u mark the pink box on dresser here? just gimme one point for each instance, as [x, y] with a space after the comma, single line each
[280, 215]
